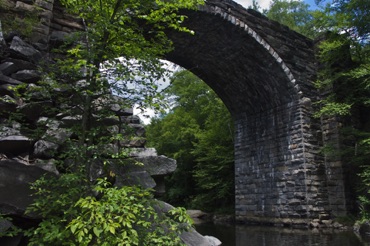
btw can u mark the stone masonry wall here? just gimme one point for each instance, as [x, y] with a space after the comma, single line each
[279, 179]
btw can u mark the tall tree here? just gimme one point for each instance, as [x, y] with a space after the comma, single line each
[214, 154]
[351, 16]
[345, 73]
[255, 6]
[293, 13]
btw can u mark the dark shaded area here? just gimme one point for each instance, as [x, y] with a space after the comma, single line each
[277, 236]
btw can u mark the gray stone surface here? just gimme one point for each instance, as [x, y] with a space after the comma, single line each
[196, 213]
[157, 165]
[194, 238]
[6, 68]
[143, 152]
[24, 50]
[2, 40]
[55, 133]
[146, 171]
[191, 237]
[134, 119]
[131, 173]
[15, 179]
[10, 65]
[29, 76]
[47, 165]
[213, 241]
[45, 149]
[8, 80]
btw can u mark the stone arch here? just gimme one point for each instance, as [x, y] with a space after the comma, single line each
[264, 74]
[243, 44]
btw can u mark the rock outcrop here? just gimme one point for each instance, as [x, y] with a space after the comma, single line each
[33, 133]
[25, 156]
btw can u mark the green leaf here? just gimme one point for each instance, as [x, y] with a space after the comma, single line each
[73, 228]
[112, 230]
[96, 231]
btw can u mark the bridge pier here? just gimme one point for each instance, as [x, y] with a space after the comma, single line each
[280, 174]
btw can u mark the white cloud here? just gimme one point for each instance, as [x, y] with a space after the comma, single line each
[265, 4]
[145, 115]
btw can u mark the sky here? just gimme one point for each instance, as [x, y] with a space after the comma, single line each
[266, 3]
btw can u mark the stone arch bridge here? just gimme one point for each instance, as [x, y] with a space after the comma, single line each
[264, 74]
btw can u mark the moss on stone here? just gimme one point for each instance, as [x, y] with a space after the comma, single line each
[22, 22]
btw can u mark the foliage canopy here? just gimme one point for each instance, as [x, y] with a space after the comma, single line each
[345, 74]
[197, 132]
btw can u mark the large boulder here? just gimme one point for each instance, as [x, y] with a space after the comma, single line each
[58, 37]
[137, 129]
[157, 165]
[28, 76]
[191, 237]
[134, 119]
[47, 165]
[213, 241]
[23, 50]
[10, 65]
[363, 229]
[8, 80]
[129, 174]
[9, 129]
[15, 192]
[45, 149]
[194, 238]
[54, 132]
[147, 171]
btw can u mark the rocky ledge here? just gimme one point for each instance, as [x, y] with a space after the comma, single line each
[25, 157]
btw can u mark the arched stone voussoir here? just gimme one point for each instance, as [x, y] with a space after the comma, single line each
[254, 64]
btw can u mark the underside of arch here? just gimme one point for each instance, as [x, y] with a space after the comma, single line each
[233, 63]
